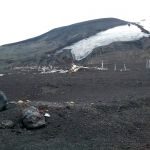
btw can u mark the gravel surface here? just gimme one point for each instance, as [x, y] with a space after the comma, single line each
[99, 110]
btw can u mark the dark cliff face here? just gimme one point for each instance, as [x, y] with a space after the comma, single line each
[46, 49]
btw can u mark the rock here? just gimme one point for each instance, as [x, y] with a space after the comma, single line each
[7, 124]
[32, 118]
[24, 103]
[3, 101]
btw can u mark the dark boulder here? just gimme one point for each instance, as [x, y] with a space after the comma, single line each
[32, 118]
[3, 101]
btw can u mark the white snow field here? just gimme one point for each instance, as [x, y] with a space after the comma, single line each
[83, 48]
[145, 23]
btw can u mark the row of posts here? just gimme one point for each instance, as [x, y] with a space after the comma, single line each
[127, 69]
[124, 68]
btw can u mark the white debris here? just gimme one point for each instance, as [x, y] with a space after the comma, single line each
[47, 115]
[28, 101]
[20, 102]
[23, 102]
[71, 103]
[100, 68]
[1, 75]
[47, 70]
[75, 68]
[62, 71]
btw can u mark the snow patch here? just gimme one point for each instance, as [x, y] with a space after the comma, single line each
[83, 48]
[145, 23]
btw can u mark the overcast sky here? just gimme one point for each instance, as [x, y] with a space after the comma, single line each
[22, 19]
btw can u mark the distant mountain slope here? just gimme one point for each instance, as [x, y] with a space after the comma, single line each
[75, 42]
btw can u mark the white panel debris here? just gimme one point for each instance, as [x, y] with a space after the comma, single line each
[1, 75]
[47, 115]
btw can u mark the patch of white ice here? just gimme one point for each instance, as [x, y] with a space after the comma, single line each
[145, 23]
[83, 48]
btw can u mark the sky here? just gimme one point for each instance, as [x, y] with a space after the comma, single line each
[23, 19]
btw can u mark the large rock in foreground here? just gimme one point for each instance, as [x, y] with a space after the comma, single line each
[32, 118]
[3, 101]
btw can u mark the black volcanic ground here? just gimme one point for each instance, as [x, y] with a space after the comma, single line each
[110, 111]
